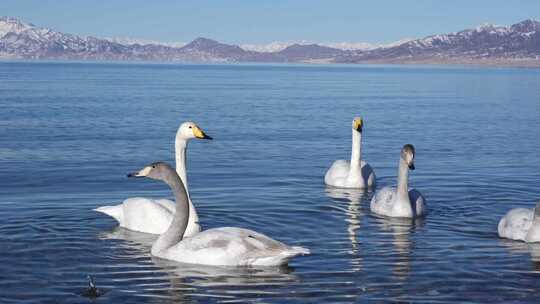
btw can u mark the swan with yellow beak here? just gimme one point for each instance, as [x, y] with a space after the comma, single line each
[155, 215]
[356, 174]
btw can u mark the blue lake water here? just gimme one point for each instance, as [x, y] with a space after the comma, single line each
[69, 133]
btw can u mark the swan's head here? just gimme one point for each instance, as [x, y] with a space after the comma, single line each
[189, 130]
[358, 124]
[407, 154]
[157, 170]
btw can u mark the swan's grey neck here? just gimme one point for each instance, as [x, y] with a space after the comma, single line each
[356, 149]
[180, 147]
[178, 226]
[403, 181]
[537, 212]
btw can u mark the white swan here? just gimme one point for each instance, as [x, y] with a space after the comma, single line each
[354, 174]
[155, 215]
[228, 246]
[400, 202]
[521, 224]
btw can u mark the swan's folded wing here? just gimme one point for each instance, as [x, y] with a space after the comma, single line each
[383, 200]
[166, 203]
[258, 249]
[418, 202]
[146, 215]
[231, 246]
[368, 174]
[228, 238]
[338, 170]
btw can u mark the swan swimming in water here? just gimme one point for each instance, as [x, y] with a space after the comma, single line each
[521, 224]
[400, 201]
[227, 246]
[357, 173]
[155, 215]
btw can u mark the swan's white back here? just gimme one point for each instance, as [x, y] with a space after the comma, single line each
[230, 246]
[148, 215]
[386, 202]
[339, 175]
[520, 224]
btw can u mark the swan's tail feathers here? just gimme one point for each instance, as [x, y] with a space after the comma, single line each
[279, 257]
[297, 250]
[292, 252]
[112, 211]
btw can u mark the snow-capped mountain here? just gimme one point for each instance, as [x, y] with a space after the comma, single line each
[351, 46]
[210, 49]
[271, 47]
[12, 25]
[132, 41]
[24, 40]
[277, 46]
[486, 42]
[518, 42]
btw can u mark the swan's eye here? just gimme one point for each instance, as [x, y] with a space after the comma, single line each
[154, 167]
[190, 127]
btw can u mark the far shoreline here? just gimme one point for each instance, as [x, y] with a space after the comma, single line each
[452, 62]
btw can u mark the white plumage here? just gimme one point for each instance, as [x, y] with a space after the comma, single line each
[228, 246]
[400, 201]
[356, 173]
[155, 215]
[386, 202]
[143, 214]
[521, 224]
[339, 175]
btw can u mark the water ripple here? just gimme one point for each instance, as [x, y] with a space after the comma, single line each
[72, 131]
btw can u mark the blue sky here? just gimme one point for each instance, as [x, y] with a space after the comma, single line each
[252, 21]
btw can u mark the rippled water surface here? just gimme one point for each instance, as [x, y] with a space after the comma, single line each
[69, 132]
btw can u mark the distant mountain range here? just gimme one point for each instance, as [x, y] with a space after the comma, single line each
[518, 44]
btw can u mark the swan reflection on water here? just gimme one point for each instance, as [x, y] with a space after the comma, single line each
[532, 249]
[354, 214]
[183, 275]
[400, 229]
[187, 278]
[352, 197]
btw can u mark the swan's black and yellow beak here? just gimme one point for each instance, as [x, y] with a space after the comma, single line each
[411, 166]
[142, 173]
[200, 133]
[358, 124]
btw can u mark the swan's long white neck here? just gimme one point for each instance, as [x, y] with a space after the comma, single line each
[180, 154]
[175, 232]
[356, 152]
[180, 147]
[403, 182]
